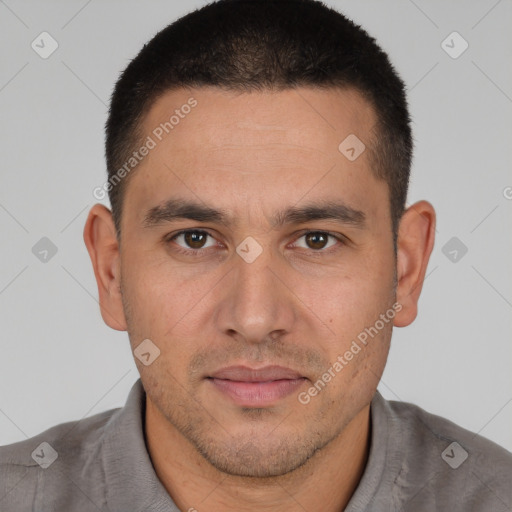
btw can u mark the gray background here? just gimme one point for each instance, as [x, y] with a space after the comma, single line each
[60, 362]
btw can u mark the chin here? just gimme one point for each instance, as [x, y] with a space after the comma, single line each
[250, 457]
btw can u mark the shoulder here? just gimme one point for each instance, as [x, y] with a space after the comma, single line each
[49, 460]
[455, 465]
[439, 430]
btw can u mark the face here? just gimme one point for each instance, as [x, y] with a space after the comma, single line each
[254, 256]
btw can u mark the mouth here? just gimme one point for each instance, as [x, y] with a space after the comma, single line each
[251, 387]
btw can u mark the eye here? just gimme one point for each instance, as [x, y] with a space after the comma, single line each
[318, 240]
[195, 241]
[192, 239]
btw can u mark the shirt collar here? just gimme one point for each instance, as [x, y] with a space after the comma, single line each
[384, 459]
[131, 482]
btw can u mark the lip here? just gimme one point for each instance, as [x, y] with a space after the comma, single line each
[256, 387]
[247, 374]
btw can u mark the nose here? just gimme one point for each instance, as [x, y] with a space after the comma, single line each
[257, 304]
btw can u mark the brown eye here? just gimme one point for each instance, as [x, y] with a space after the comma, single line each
[195, 239]
[316, 240]
[319, 241]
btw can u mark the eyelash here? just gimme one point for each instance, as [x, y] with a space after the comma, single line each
[200, 252]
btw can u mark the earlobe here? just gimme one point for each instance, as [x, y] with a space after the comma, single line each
[102, 245]
[415, 243]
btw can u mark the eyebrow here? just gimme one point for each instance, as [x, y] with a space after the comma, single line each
[174, 209]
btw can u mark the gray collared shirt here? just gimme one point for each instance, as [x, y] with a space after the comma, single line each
[417, 462]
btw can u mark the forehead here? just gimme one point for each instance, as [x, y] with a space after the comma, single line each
[250, 145]
[310, 115]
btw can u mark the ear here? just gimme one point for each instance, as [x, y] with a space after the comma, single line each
[415, 242]
[100, 239]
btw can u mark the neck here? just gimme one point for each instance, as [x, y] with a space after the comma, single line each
[325, 482]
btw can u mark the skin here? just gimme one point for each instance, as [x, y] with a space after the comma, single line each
[300, 304]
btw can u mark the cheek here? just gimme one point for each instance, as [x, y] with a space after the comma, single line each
[147, 293]
[168, 307]
[353, 301]
[360, 343]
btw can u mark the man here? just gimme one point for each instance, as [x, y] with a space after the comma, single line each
[258, 254]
